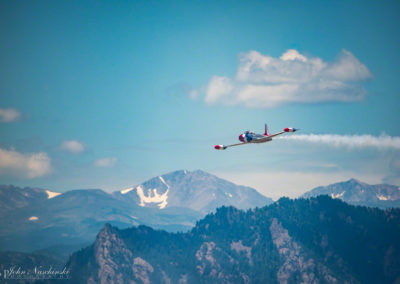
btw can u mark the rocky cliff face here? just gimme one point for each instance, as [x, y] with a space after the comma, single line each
[319, 240]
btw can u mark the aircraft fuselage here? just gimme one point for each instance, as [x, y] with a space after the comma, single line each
[251, 137]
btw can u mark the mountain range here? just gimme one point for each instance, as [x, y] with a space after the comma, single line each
[43, 227]
[359, 193]
[316, 240]
[35, 219]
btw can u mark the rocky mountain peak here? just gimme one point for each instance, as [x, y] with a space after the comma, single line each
[107, 230]
[197, 190]
[354, 181]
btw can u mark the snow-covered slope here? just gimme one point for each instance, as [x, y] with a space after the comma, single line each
[52, 194]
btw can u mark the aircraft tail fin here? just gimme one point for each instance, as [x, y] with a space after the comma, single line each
[266, 130]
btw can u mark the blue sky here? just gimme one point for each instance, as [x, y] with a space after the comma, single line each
[106, 94]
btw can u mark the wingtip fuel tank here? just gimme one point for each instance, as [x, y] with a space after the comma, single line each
[290, 129]
[220, 147]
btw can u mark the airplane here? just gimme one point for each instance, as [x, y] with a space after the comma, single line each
[251, 137]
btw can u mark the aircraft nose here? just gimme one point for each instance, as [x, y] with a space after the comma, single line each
[241, 138]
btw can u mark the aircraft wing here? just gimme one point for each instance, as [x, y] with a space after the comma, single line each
[223, 147]
[276, 134]
[268, 138]
[238, 144]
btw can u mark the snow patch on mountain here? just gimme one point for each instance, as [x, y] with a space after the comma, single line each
[125, 191]
[382, 197]
[52, 194]
[337, 195]
[153, 198]
[163, 181]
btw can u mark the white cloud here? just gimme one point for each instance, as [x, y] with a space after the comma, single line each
[293, 184]
[29, 165]
[73, 146]
[292, 54]
[193, 94]
[350, 141]
[253, 95]
[263, 81]
[218, 89]
[9, 115]
[348, 68]
[106, 162]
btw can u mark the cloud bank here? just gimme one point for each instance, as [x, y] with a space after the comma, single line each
[73, 146]
[9, 115]
[350, 141]
[106, 162]
[263, 81]
[29, 165]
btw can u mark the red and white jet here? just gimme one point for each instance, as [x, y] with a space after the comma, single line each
[251, 137]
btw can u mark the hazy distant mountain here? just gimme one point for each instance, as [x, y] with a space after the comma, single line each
[69, 218]
[12, 197]
[197, 190]
[359, 193]
[37, 219]
[317, 240]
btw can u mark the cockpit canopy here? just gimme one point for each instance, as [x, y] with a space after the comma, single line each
[249, 132]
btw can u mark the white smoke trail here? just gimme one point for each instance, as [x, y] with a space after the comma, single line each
[350, 141]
